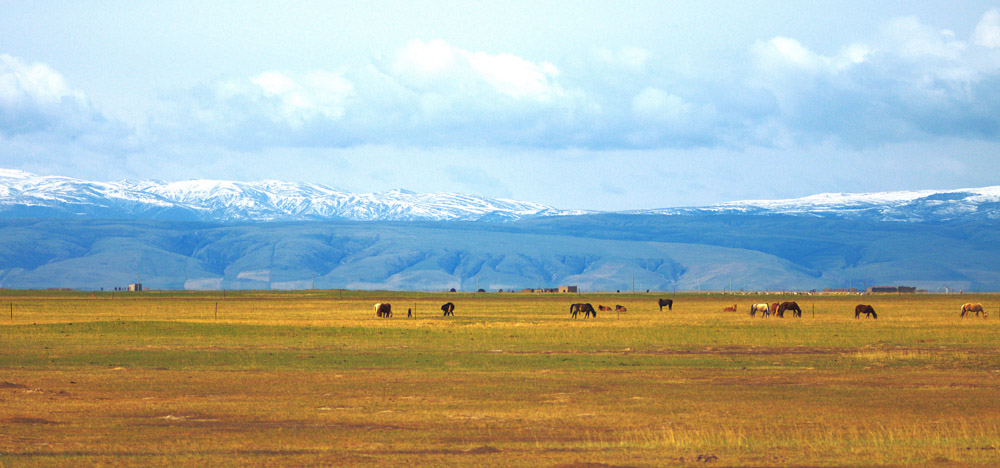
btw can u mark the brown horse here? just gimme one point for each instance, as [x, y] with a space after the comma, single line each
[763, 308]
[866, 309]
[730, 309]
[383, 309]
[587, 309]
[620, 308]
[449, 309]
[774, 308]
[666, 302]
[792, 306]
[603, 308]
[973, 307]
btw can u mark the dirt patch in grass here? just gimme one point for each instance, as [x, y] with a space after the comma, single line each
[591, 465]
[26, 420]
[203, 420]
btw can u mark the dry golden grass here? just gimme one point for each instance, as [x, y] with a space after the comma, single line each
[314, 379]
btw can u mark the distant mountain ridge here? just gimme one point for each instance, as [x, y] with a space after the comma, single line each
[63, 232]
[905, 206]
[25, 195]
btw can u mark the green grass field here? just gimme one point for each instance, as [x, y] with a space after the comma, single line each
[313, 378]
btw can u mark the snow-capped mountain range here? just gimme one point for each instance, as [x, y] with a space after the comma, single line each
[906, 206]
[23, 194]
[26, 195]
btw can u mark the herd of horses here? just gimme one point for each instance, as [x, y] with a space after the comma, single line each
[777, 309]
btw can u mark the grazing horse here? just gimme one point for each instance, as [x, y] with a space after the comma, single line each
[796, 311]
[764, 309]
[666, 302]
[973, 307]
[603, 308]
[620, 308]
[730, 309]
[866, 309]
[383, 309]
[449, 309]
[774, 308]
[587, 309]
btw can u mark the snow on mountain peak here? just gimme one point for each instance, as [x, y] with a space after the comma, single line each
[223, 200]
[912, 206]
[23, 194]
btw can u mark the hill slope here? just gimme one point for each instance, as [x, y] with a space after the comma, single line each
[599, 252]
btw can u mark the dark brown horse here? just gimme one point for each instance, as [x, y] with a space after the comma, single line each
[973, 307]
[620, 308]
[587, 309]
[383, 309]
[666, 302]
[449, 309]
[603, 308]
[796, 311]
[866, 309]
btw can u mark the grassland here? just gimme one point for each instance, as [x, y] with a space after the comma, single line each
[315, 379]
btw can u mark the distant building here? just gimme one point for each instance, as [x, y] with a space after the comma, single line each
[135, 287]
[567, 289]
[840, 290]
[892, 289]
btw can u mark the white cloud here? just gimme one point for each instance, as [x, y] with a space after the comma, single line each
[657, 104]
[34, 98]
[911, 39]
[316, 94]
[784, 55]
[912, 81]
[634, 58]
[987, 33]
[36, 81]
[439, 66]
[48, 126]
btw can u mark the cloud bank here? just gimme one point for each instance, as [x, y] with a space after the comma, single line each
[911, 82]
[907, 84]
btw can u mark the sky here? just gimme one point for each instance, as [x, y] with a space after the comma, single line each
[601, 105]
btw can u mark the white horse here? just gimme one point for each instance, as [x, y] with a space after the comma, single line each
[764, 310]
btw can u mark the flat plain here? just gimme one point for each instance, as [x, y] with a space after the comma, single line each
[313, 378]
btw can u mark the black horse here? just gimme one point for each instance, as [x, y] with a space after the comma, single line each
[666, 302]
[796, 311]
[866, 309]
[449, 309]
[587, 309]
